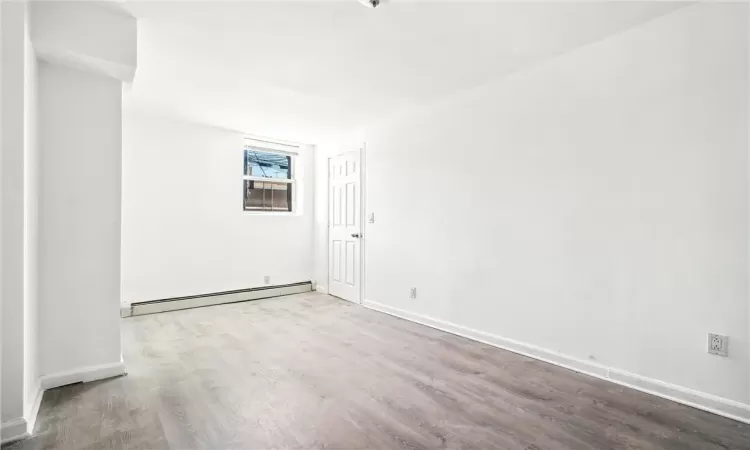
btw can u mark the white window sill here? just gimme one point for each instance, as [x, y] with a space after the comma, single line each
[272, 213]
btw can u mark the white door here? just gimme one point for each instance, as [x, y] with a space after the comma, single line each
[344, 227]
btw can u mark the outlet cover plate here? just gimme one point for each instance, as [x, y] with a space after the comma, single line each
[413, 293]
[718, 344]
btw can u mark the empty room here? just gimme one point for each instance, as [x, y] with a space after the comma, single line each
[363, 224]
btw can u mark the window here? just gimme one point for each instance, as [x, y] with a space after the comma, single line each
[268, 178]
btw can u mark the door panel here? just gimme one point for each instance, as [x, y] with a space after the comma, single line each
[344, 226]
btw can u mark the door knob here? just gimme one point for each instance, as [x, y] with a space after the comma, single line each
[355, 235]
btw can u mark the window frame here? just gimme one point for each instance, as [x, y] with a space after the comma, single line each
[274, 148]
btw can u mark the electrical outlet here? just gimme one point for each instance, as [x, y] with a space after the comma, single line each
[718, 344]
[413, 293]
[267, 279]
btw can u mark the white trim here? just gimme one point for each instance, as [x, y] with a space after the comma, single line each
[268, 149]
[700, 400]
[126, 311]
[23, 427]
[272, 145]
[269, 180]
[328, 223]
[362, 220]
[83, 375]
[14, 430]
[270, 213]
[34, 410]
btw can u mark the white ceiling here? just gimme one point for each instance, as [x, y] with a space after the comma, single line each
[304, 70]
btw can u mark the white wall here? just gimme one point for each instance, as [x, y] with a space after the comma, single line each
[605, 217]
[2, 433]
[86, 36]
[79, 219]
[31, 232]
[12, 41]
[184, 230]
[60, 319]
[748, 131]
[20, 380]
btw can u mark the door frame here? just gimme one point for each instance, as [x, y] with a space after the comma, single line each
[362, 218]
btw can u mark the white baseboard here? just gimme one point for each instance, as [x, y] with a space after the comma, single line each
[23, 427]
[14, 430]
[83, 375]
[34, 409]
[701, 400]
[126, 311]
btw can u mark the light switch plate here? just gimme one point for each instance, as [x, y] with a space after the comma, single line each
[371, 219]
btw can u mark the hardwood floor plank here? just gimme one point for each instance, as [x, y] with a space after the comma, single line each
[311, 371]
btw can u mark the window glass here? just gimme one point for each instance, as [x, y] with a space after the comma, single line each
[268, 196]
[267, 165]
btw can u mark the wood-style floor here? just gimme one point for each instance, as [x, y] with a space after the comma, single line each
[310, 371]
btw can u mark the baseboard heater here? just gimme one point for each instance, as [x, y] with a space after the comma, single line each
[217, 298]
